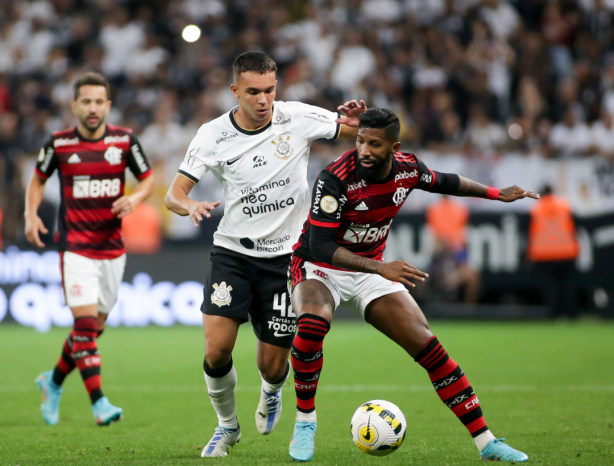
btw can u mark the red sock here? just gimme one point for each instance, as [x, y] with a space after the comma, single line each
[452, 386]
[86, 356]
[307, 359]
[66, 363]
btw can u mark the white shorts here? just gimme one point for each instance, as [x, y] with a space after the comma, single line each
[91, 281]
[355, 289]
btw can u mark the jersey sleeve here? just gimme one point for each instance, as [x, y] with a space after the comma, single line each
[317, 123]
[436, 182]
[328, 198]
[194, 165]
[47, 161]
[427, 178]
[137, 161]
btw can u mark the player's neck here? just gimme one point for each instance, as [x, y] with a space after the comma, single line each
[247, 123]
[86, 133]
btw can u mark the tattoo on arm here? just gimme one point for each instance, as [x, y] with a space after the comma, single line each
[471, 188]
[343, 258]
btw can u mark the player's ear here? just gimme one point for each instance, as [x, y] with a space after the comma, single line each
[235, 90]
[396, 146]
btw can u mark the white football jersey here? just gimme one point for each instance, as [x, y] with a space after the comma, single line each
[263, 174]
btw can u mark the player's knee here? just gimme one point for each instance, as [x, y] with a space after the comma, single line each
[217, 357]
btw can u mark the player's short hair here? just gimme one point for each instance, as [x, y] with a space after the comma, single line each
[257, 62]
[381, 118]
[92, 79]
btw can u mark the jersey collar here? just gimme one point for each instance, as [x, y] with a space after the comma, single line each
[247, 131]
[80, 136]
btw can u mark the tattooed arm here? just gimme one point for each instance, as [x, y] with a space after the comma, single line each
[398, 271]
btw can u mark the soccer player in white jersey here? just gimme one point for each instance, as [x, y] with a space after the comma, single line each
[258, 151]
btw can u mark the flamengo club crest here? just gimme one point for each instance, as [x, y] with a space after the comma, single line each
[113, 155]
[283, 150]
[221, 295]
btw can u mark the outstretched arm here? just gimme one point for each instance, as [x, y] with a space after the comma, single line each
[457, 185]
[468, 187]
[349, 123]
[177, 200]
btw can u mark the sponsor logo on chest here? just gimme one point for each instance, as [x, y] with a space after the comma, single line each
[354, 186]
[366, 235]
[85, 188]
[406, 175]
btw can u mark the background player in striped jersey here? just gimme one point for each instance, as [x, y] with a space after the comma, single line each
[258, 151]
[339, 259]
[91, 160]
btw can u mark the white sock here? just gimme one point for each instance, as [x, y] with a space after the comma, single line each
[306, 417]
[273, 387]
[482, 440]
[222, 393]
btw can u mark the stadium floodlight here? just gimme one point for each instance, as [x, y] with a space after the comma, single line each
[191, 33]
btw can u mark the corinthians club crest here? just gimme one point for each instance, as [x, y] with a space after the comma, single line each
[283, 150]
[221, 295]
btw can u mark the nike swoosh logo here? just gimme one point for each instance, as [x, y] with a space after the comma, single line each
[230, 162]
[368, 436]
[282, 334]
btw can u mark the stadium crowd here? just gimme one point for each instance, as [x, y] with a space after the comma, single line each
[465, 76]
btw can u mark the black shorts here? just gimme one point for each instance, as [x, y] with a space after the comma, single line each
[244, 287]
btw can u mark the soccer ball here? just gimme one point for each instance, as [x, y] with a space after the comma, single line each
[378, 427]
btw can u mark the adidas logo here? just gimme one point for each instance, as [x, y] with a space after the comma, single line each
[74, 159]
[362, 206]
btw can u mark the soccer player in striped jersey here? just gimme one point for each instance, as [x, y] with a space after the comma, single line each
[91, 159]
[338, 259]
[258, 151]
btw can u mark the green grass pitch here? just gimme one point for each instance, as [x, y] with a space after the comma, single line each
[547, 387]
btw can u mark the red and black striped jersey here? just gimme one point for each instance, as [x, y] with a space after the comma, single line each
[92, 176]
[357, 212]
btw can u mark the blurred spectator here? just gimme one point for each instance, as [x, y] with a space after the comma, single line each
[553, 248]
[121, 39]
[164, 138]
[147, 58]
[570, 137]
[354, 56]
[559, 26]
[602, 136]
[502, 18]
[450, 138]
[482, 133]
[452, 278]
[492, 55]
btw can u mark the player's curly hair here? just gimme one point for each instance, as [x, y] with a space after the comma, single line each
[92, 79]
[258, 62]
[381, 118]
